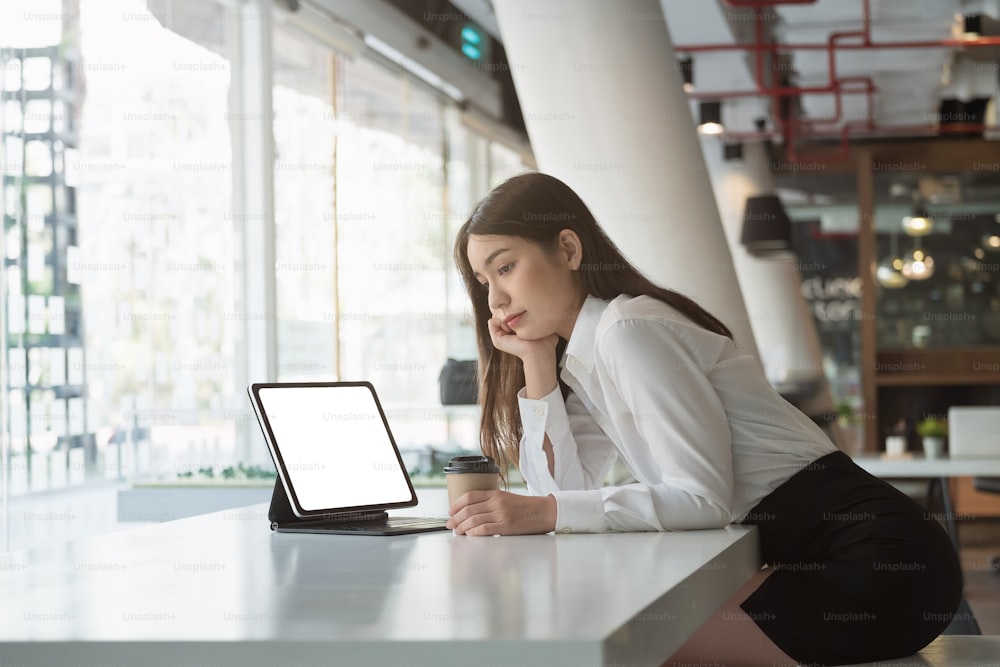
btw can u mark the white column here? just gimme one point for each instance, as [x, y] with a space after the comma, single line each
[606, 113]
[253, 211]
[772, 288]
[779, 316]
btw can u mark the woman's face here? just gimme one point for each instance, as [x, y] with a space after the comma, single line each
[535, 293]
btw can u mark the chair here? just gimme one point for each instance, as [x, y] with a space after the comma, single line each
[989, 485]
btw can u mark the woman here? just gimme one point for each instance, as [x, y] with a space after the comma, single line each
[583, 360]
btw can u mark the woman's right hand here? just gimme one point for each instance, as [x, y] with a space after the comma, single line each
[506, 340]
[537, 356]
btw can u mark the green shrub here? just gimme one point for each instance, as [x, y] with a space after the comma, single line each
[932, 428]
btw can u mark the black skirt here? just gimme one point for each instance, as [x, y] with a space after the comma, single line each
[862, 572]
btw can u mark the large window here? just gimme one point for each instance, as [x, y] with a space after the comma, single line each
[121, 244]
[305, 132]
[157, 240]
[393, 245]
[129, 237]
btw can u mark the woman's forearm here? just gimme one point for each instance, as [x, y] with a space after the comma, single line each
[539, 381]
[539, 375]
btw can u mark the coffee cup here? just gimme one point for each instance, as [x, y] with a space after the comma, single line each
[470, 473]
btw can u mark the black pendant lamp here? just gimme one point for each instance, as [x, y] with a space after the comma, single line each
[710, 118]
[767, 230]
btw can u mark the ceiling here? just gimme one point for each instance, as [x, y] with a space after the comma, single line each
[910, 83]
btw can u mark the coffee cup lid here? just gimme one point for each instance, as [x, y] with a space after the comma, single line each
[460, 464]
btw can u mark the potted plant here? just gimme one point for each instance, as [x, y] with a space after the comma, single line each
[845, 413]
[851, 428]
[932, 432]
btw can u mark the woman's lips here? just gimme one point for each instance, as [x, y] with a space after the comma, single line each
[513, 320]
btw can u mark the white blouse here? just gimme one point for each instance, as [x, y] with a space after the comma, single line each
[696, 423]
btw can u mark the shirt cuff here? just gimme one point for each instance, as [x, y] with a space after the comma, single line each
[534, 415]
[544, 415]
[580, 511]
[532, 460]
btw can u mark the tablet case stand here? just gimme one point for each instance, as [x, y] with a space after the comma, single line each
[280, 513]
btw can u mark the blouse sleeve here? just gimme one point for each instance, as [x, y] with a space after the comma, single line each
[583, 453]
[661, 375]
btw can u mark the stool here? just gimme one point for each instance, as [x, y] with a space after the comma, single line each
[950, 651]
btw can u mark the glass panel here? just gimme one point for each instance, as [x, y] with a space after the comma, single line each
[12, 119]
[938, 270]
[107, 247]
[824, 210]
[466, 165]
[393, 244]
[30, 23]
[12, 74]
[38, 204]
[37, 73]
[13, 162]
[305, 246]
[467, 169]
[37, 115]
[504, 163]
[37, 159]
[938, 294]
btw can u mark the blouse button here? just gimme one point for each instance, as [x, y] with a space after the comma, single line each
[566, 530]
[539, 411]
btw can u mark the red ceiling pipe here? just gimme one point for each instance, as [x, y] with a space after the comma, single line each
[869, 90]
[788, 91]
[786, 127]
[780, 92]
[815, 46]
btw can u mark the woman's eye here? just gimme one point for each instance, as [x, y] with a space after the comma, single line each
[504, 269]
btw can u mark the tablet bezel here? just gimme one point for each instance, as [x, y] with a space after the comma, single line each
[279, 464]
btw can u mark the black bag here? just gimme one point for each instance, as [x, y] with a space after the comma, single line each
[458, 382]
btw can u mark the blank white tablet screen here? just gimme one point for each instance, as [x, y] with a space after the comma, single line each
[335, 447]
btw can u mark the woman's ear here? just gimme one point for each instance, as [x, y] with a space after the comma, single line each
[570, 248]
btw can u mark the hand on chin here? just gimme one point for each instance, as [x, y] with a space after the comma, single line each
[521, 343]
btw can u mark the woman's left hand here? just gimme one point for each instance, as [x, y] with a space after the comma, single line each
[502, 513]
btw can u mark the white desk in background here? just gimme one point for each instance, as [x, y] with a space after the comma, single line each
[221, 589]
[939, 471]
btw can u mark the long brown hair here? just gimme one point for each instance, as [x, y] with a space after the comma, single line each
[536, 207]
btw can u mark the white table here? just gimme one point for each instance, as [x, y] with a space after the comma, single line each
[938, 471]
[221, 589]
[918, 466]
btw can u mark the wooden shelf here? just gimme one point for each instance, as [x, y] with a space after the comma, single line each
[933, 379]
[963, 366]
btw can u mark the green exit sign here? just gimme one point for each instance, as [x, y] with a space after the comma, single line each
[472, 41]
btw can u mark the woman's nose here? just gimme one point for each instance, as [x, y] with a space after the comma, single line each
[496, 298]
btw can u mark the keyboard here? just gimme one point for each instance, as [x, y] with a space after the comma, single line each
[414, 521]
[388, 525]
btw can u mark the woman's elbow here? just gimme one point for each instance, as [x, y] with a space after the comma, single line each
[715, 516]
